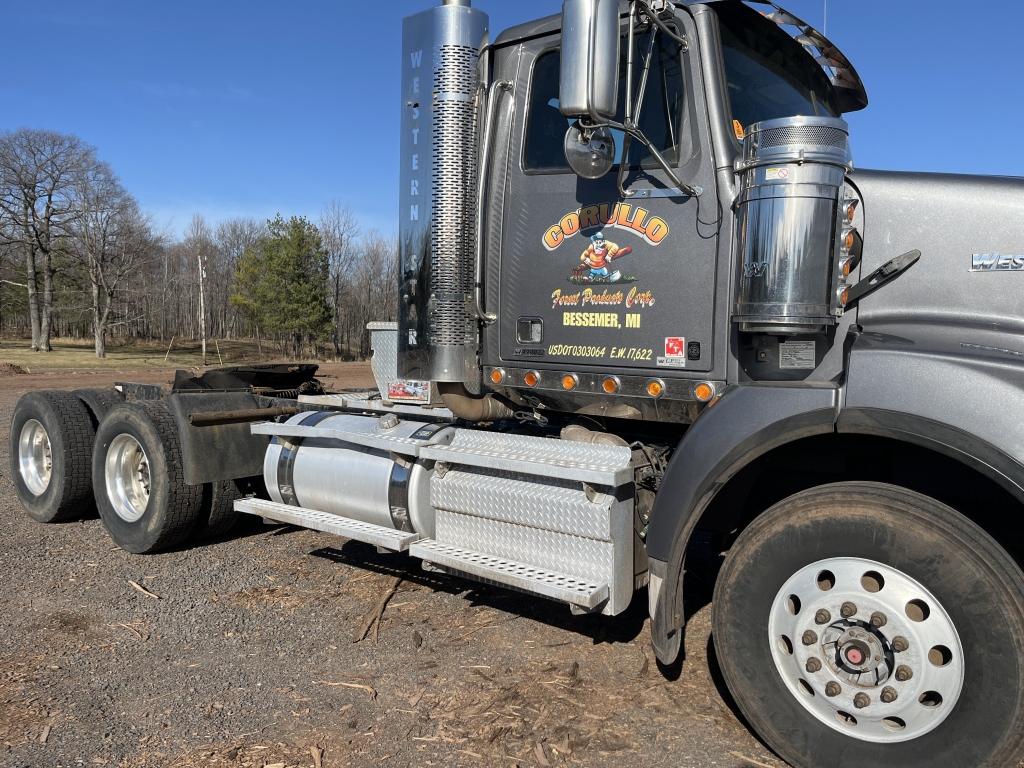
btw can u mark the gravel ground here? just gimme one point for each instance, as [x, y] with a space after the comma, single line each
[241, 652]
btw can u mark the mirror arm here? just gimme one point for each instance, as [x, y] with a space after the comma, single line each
[661, 24]
[629, 63]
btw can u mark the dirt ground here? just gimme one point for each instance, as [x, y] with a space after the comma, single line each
[242, 652]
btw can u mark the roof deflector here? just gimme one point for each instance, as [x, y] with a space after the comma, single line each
[850, 88]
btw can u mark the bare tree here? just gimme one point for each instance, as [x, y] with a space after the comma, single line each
[232, 238]
[339, 230]
[111, 238]
[38, 170]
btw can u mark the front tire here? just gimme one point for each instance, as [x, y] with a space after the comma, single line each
[50, 445]
[863, 624]
[140, 488]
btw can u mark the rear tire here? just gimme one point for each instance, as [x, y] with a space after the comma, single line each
[219, 516]
[138, 479]
[819, 546]
[99, 401]
[50, 445]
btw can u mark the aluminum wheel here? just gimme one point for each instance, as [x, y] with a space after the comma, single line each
[866, 649]
[35, 457]
[127, 477]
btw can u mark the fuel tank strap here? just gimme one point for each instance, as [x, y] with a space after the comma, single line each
[286, 459]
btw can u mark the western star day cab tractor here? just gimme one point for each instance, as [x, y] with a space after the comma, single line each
[648, 311]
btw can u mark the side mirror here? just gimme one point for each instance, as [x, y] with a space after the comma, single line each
[589, 76]
[590, 152]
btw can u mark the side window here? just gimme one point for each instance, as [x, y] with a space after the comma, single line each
[660, 117]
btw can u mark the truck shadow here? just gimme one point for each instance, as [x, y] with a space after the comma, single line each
[624, 628]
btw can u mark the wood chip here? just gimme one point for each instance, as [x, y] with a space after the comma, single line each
[369, 689]
[135, 585]
[538, 751]
[45, 734]
[318, 757]
[374, 615]
[752, 761]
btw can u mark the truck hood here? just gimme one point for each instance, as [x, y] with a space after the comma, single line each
[969, 284]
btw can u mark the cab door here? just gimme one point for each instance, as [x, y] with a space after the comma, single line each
[589, 278]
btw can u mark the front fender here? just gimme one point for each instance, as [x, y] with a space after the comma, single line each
[956, 389]
[747, 422]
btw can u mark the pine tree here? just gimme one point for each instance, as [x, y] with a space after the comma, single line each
[281, 283]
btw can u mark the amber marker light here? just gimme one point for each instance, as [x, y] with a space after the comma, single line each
[531, 378]
[570, 381]
[611, 385]
[655, 388]
[849, 210]
[704, 392]
[849, 239]
[844, 296]
[497, 375]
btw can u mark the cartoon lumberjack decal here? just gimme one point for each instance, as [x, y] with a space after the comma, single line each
[593, 266]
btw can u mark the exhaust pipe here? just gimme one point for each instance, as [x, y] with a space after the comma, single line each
[438, 334]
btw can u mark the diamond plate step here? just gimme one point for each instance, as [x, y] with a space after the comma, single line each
[545, 457]
[557, 586]
[322, 521]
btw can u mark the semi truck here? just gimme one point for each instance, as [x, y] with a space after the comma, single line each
[652, 323]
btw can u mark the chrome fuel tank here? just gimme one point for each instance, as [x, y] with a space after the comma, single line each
[372, 485]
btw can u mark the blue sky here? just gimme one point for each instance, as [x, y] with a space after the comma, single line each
[249, 107]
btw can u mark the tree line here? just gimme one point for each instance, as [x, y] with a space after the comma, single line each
[79, 258]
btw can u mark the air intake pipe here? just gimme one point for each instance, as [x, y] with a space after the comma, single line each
[790, 225]
[438, 334]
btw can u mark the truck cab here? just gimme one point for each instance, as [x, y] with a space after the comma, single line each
[654, 324]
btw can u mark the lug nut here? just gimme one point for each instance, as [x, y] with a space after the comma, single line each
[813, 665]
[878, 620]
[810, 637]
[822, 616]
[833, 689]
[904, 673]
[900, 644]
[861, 700]
[848, 610]
[889, 694]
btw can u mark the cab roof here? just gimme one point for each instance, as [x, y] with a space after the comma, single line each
[849, 86]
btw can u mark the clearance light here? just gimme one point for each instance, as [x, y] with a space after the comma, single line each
[849, 239]
[737, 128]
[849, 210]
[611, 385]
[570, 381]
[843, 294]
[497, 375]
[655, 388]
[704, 392]
[531, 379]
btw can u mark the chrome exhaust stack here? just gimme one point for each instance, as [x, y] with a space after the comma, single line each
[438, 334]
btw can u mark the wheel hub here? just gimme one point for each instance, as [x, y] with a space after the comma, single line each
[126, 471]
[866, 649]
[35, 457]
[858, 652]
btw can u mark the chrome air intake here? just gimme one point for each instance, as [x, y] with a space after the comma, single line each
[440, 78]
[789, 208]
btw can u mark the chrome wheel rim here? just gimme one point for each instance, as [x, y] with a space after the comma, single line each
[127, 477]
[35, 457]
[866, 649]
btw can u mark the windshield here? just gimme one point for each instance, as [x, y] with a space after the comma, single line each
[768, 73]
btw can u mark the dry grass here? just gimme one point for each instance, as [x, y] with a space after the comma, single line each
[78, 354]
